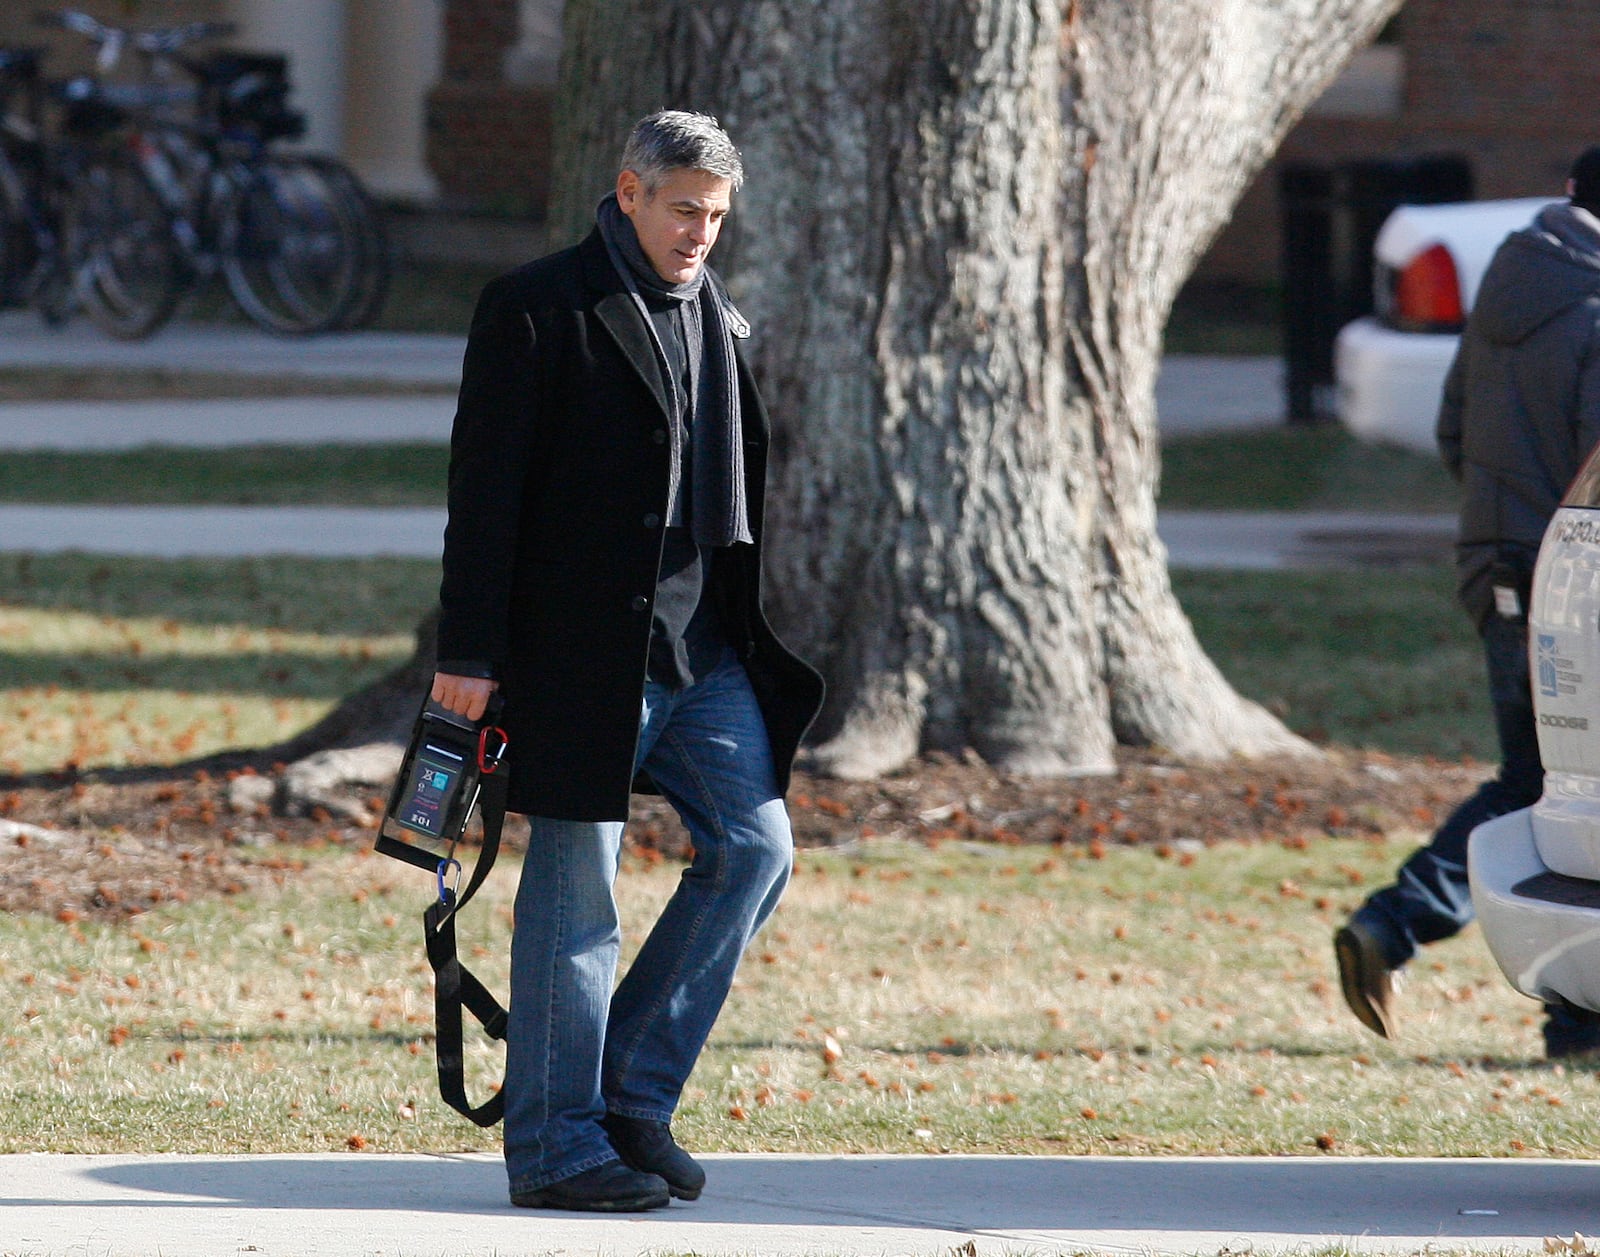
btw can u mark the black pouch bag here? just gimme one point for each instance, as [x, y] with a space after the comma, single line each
[451, 765]
[439, 783]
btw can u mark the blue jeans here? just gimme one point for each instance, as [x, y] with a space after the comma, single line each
[574, 1048]
[1429, 899]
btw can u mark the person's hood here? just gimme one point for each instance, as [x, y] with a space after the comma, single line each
[1538, 272]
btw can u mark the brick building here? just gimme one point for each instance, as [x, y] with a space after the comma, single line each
[1505, 83]
[489, 116]
[450, 102]
[1508, 84]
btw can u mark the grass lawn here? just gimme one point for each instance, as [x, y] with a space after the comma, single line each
[1300, 468]
[1375, 658]
[133, 661]
[249, 475]
[1279, 469]
[964, 999]
[116, 661]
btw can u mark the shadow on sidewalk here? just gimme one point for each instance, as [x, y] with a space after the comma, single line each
[1466, 1199]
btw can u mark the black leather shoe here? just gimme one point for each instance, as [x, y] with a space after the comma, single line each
[1365, 978]
[608, 1188]
[649, 1146]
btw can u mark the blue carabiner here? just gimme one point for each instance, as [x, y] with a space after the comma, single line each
[447, 894]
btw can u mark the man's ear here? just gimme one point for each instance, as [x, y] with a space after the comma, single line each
[629, 188]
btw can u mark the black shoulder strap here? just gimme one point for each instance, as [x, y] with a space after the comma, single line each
[454, 986]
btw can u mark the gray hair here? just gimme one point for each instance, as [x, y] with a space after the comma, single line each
[676, 140]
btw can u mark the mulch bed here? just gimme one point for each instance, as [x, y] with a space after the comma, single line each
[115, 848]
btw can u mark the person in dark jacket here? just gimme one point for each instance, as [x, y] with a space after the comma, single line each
[602, 571]
[1521, 410]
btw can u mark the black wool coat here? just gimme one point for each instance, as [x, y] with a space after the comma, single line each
[558, 493]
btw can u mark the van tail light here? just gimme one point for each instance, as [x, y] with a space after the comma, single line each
[1426, 296]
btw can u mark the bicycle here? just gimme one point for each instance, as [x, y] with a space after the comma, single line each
[79, 226]
[295, 239]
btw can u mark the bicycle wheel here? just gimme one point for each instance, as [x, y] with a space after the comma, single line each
[129, 273]
[16, 257]
[31, 270]
[375, 267]
[291, 248]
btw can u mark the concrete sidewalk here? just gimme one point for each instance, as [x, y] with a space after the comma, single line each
[392, 357]
[455, 1206]
[222, 422]
[173, 532]
[1194, 393]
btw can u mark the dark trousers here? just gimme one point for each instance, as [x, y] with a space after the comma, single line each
[1429, 899]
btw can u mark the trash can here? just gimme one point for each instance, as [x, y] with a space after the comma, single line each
[1329, 217]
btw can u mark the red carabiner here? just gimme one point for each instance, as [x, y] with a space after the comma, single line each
[486, 764]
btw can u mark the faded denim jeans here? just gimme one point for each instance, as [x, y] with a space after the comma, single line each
[574, 1048]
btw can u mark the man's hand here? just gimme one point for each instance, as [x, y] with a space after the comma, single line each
[466, 696]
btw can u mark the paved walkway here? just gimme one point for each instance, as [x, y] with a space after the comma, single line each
[363, 1205]
[389, 356]
[1261, 540]
[86, 426]
[222, 531]
[1193, 393]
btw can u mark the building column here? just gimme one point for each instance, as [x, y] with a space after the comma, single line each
[312, 32]
[396, 53]
[490, 117]
[536, 56]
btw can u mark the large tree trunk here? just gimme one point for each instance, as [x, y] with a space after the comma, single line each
[964, 227]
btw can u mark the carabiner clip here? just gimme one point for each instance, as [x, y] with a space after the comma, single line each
[488, 763]
[447, 893]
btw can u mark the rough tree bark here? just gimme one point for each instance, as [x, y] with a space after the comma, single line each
[964, 226]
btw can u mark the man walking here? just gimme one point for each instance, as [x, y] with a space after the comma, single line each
[1521, 410]
[602, 570]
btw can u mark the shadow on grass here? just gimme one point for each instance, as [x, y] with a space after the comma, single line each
[342, 596]
[280, 674]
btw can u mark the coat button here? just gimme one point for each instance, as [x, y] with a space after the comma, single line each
[652, 520]
[640, 603]
[659, 436]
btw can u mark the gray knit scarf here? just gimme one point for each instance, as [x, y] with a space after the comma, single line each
[718, 513]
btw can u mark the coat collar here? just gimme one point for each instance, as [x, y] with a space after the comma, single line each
[619, 316]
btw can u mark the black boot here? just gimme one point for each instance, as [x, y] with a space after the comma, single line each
[609, 1188]
[649, 1146]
